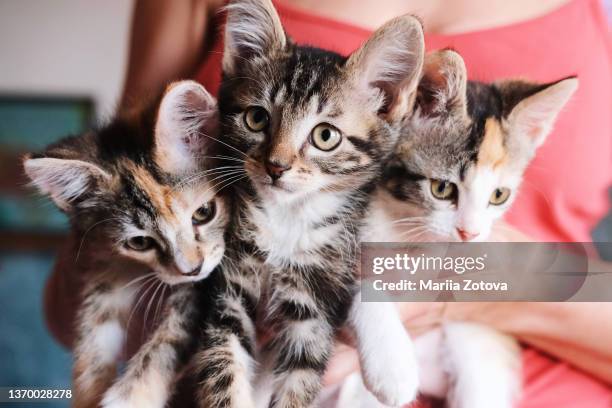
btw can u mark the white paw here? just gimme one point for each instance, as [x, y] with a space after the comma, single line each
[391, 374]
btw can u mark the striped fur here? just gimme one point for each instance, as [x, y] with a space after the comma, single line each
[292, 261]
[138, 177]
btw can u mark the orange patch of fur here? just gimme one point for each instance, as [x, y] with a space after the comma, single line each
[492, 151]
[160, 195]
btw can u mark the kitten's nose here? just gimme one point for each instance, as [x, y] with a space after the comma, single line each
[466, 235]
[276, 170]
[195, 271]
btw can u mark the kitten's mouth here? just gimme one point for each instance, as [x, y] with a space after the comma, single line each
[275, 185]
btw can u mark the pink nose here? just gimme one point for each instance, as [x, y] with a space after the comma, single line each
[466, 235]
[275, 170]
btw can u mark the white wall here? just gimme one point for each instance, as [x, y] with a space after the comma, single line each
[74, 47]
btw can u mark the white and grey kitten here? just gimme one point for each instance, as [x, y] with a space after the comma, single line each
[147, 216]
[457, 169]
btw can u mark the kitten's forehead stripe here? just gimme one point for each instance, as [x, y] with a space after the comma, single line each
[492, 152]
[156, 193]
[308, 73]
[138, 196]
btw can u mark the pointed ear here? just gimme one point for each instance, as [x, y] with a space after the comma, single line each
[442, 89]
[253, 29]
[64, 180]
[533, 108]
[391, 60]
[186, 124]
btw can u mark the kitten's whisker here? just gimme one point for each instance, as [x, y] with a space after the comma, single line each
[76, 259]
[149, 285]
[409, 219]
[160, 301]
[221, 173]
[416, 237]
[222, 157]
[228, 177]
[413, 233]
[407, 223]
[231, 180]
[146, 315]
[138, 279]
[413, 230]
[222, 177]
[225, 144]
[215, 171]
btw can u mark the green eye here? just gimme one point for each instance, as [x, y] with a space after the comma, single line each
[443, 190]
[326, 137]
[256, 118]
[204, 214]
[499, 196]
[140, 243]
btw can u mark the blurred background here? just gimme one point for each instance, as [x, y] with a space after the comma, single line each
[61, 70]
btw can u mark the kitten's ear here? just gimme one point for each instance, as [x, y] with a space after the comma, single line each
[64, 180]
[253, 29]
[186, 124]
[534, 107]
[442, 89]
[391, 60]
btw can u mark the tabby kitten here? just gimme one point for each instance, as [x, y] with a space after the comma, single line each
[456, 170]
[148, 214]
[312, 129]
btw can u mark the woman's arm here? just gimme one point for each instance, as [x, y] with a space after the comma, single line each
[579, 333]
[168, 40]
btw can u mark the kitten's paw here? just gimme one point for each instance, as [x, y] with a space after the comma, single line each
[398, 389]
[394, 379]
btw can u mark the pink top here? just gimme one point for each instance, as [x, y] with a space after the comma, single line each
[565, 190]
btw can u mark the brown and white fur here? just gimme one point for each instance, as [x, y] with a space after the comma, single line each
[479, 137]
[302, 207]
[149, 218]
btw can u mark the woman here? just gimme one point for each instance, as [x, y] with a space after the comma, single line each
[565, 190]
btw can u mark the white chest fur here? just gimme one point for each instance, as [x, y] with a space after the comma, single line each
[292, 233]
[379, 224]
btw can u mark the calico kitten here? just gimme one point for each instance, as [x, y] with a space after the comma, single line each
[457, 169]
[312, 130]
[146, 214]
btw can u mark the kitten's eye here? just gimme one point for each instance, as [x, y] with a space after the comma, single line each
[326, 137]
[499, 196]
[443, 190]
[256, 118]
[140, 243]
[204, 214]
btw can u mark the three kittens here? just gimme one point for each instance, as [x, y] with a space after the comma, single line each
[318, 151]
